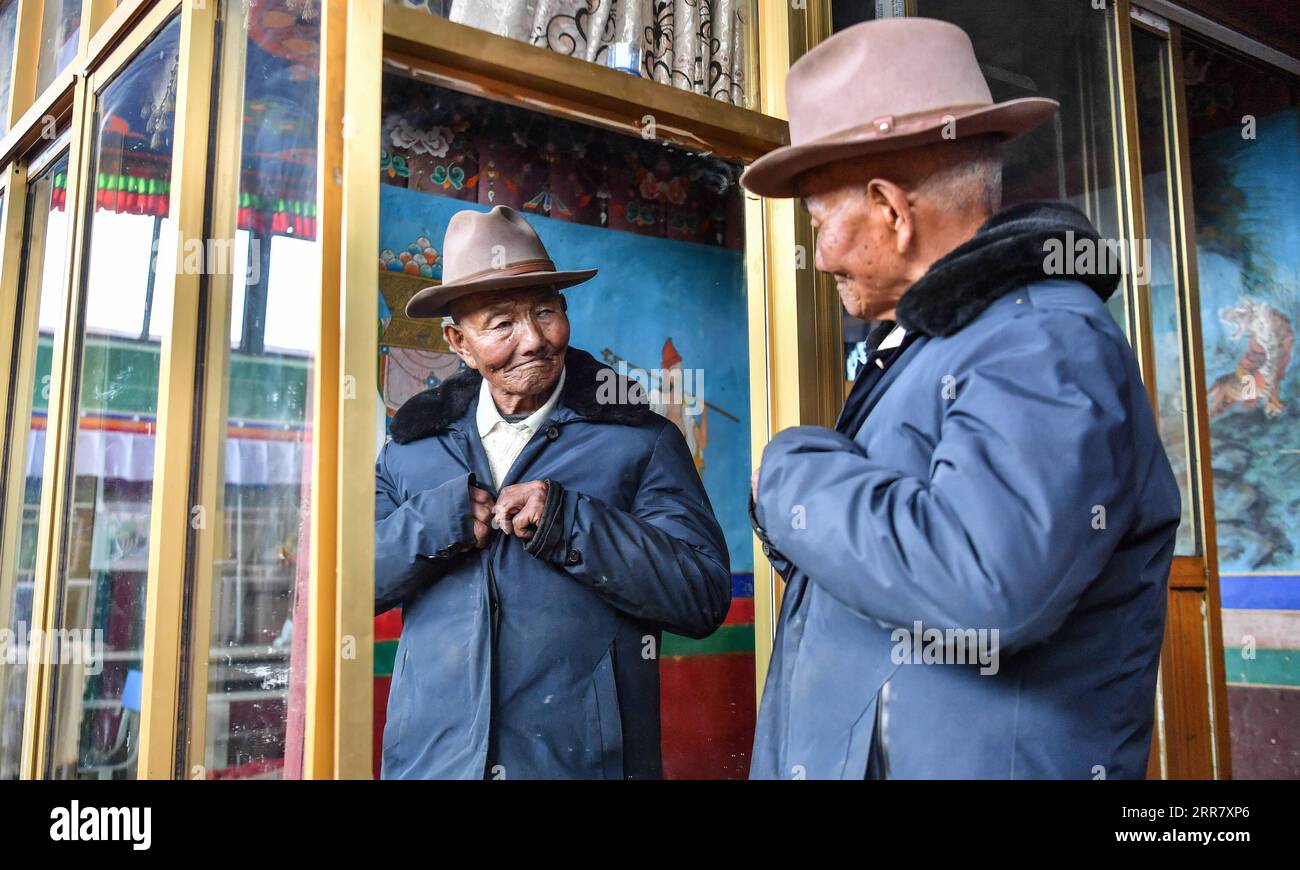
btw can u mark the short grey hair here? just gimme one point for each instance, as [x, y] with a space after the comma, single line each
[970, 177]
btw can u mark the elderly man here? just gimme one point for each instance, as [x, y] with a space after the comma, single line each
[977, 554]
[538, 535]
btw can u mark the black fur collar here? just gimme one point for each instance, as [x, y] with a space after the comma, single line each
[1004, 255]
[434, 410]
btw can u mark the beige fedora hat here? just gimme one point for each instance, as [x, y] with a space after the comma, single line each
[883, 86]
[495, 250]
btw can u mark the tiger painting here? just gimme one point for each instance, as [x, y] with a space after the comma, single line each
[1260, 370]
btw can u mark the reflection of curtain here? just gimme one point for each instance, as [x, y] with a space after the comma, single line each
[697, 45]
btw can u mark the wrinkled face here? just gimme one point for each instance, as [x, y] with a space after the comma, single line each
[858, 240]
[516, 340]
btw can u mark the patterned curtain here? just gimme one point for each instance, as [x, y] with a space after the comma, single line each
[696, 45]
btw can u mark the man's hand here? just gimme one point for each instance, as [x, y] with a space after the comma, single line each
[519, 508]
[481, 504]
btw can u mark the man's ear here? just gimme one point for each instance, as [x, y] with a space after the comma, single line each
[892, 207]
[455, 338]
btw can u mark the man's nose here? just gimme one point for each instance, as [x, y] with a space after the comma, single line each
[530, 337]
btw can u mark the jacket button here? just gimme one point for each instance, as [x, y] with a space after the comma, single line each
[573, 558]
[552, 433]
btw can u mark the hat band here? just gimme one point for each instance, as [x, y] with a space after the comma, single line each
[540, 264]
[895, 122]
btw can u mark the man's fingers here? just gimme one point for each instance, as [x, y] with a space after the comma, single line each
[481, 532]
[522, 523]
[518, 509]
[502, 513]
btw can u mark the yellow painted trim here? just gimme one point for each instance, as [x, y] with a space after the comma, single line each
[225, 155]
[94, 13]
[117, 55]
[800, 340]
[1128, 184]
[355, 398]
[319, 752]
[15, 323]
[121, 22]
[169, 527]
[1180, 166]
[60, 419]
[353, 703]
[760, 421]
[27, 40]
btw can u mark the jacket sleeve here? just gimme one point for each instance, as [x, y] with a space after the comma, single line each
[417, 539]
[664, 562]
[775, 557]
[1028, 494]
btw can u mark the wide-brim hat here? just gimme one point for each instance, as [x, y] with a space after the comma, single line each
[886, 85]
[487, 251]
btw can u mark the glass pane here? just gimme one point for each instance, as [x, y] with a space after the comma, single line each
[105, 561]
[60, 28]
[249, 657]
[8, 23]
[41, 295]
[1244, 123]
[1071, 157]
[665, 229]
[702, 46]
[1150, 62]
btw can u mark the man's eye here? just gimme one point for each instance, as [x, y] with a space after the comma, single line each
[545, 312]
[501, 324]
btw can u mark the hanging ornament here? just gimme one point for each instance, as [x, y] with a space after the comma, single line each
[159, 112]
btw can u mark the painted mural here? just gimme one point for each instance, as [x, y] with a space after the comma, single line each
[1245, 129]
[1249, 261]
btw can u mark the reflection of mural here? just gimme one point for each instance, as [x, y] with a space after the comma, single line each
[469, 149]
[1245, 190]
[662, 307]
[694, 290]
[676, 393]
[675, 401]
[1250, 293]
[1259, 373]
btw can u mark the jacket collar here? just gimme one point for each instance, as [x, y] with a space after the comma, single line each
[592, 391]
[1008, 252]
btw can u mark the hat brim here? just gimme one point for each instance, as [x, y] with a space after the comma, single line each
[436, 301]
[776, 173]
